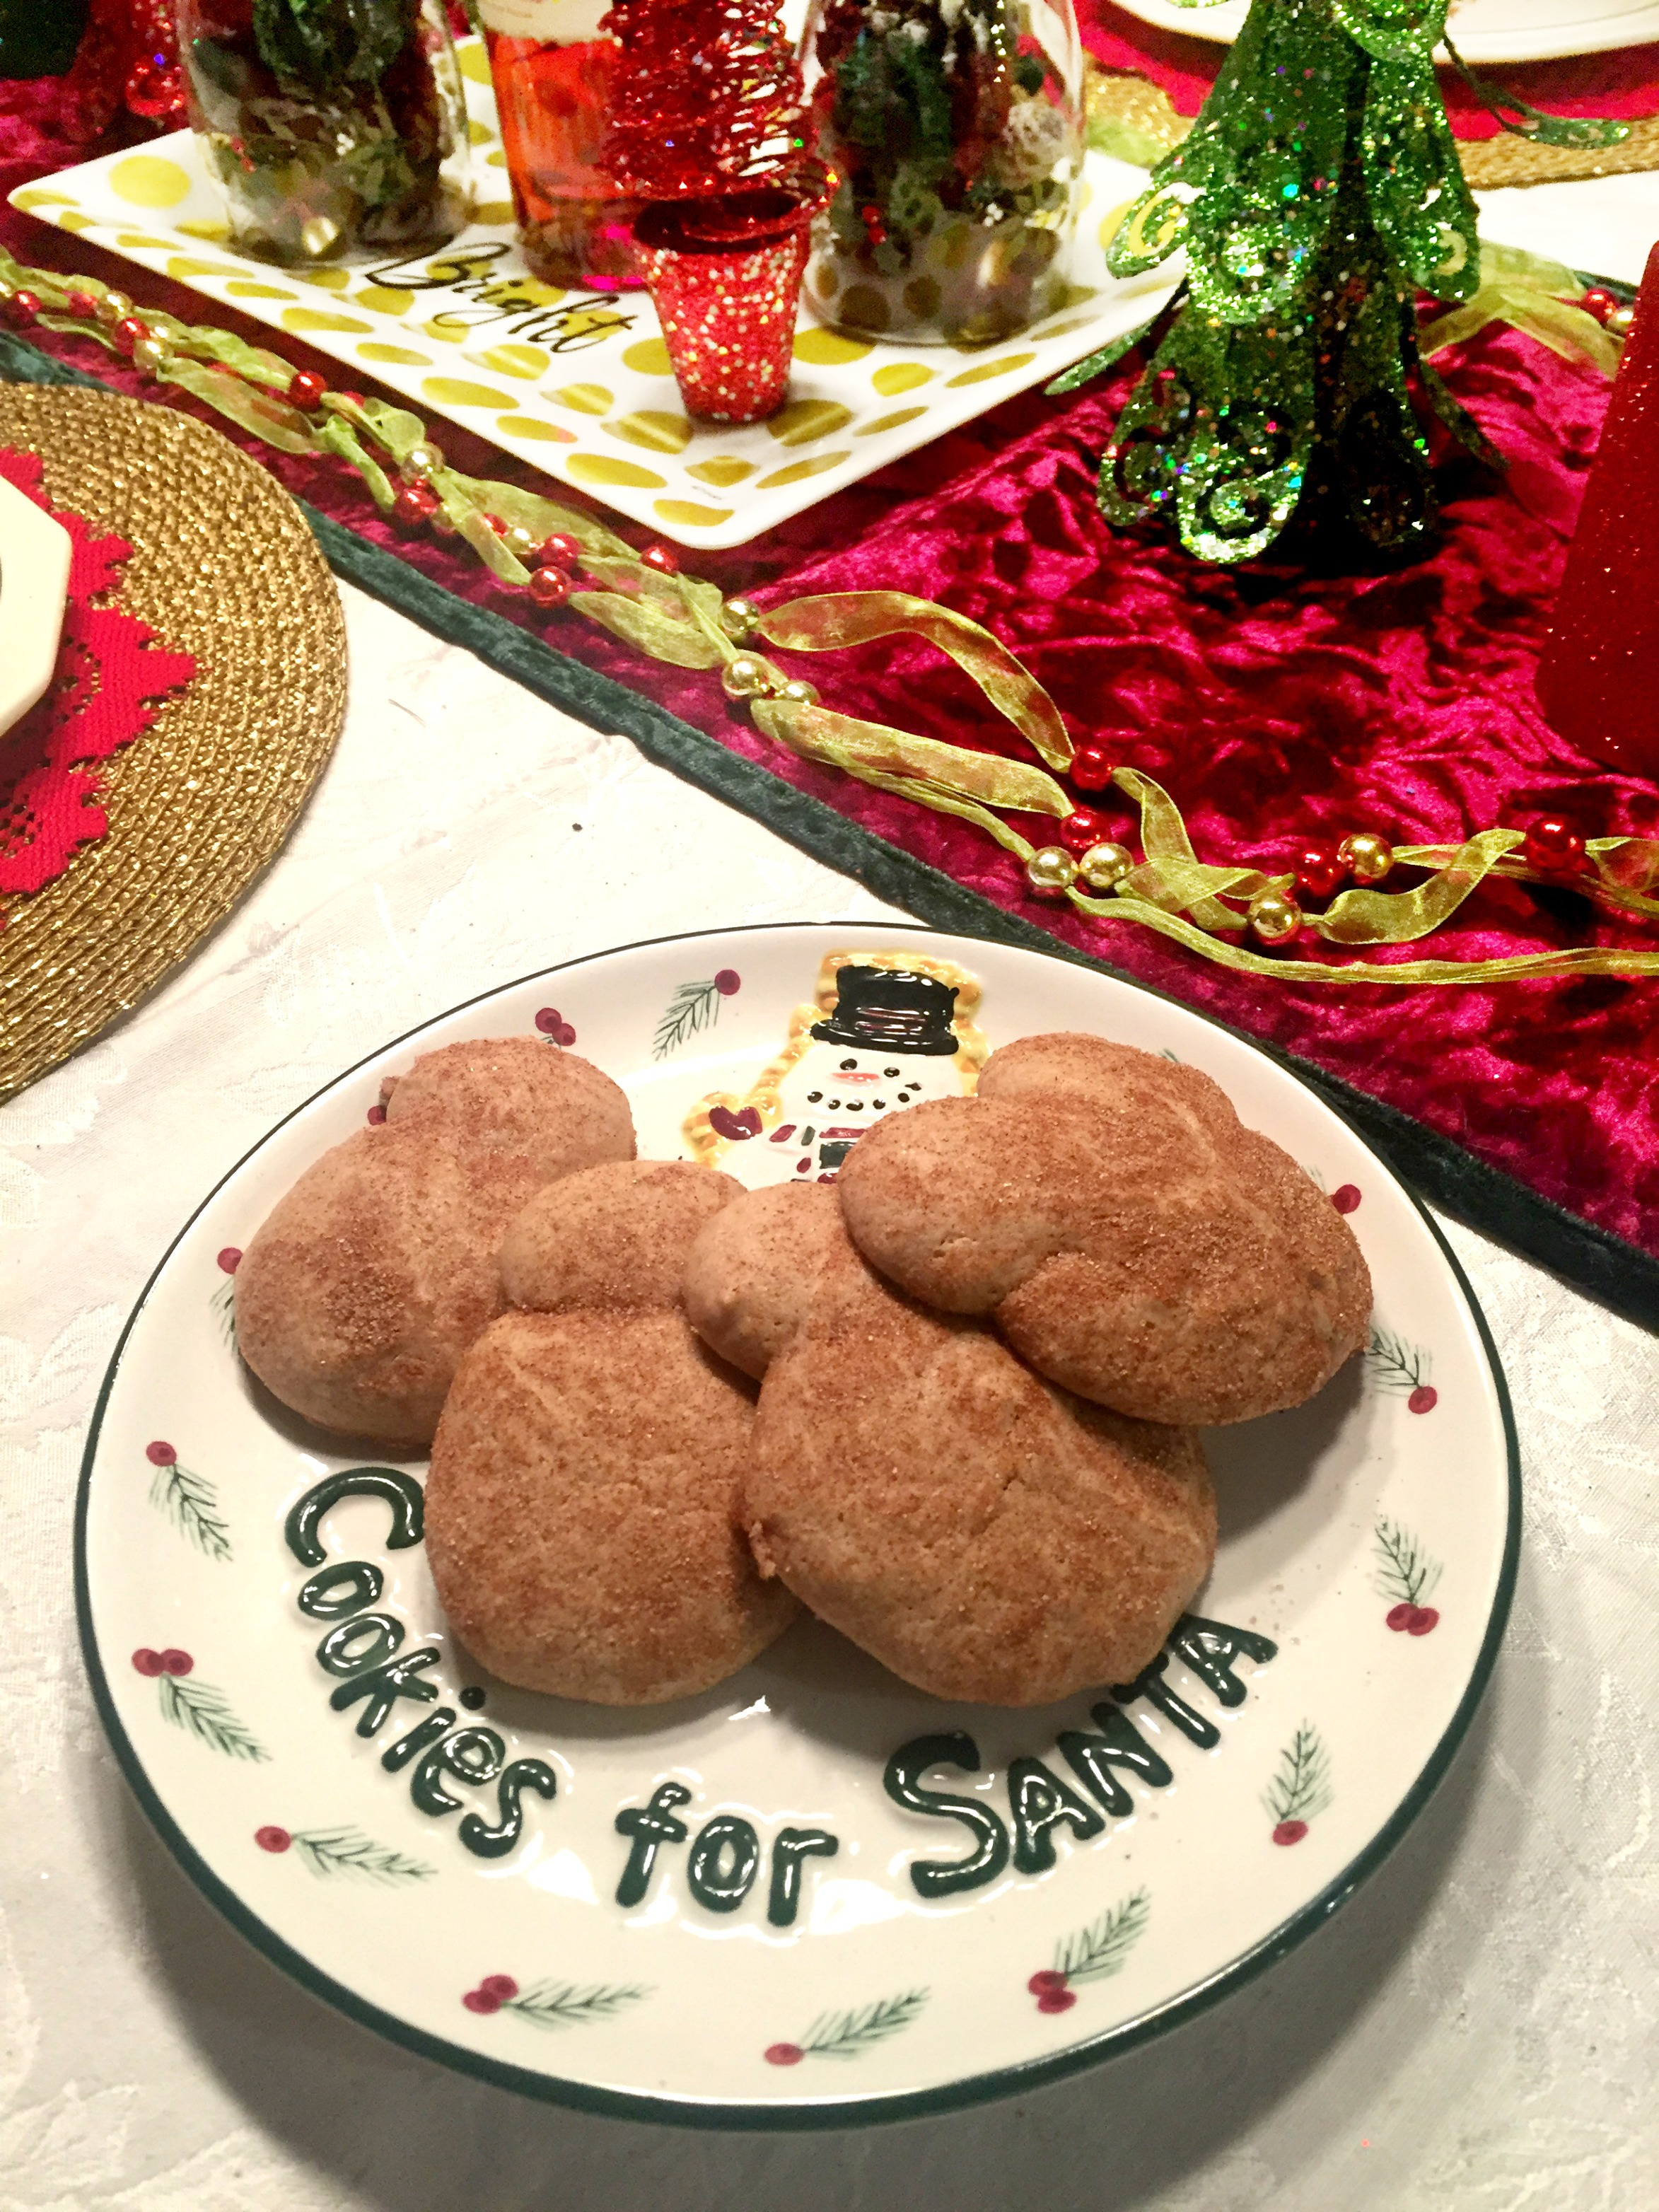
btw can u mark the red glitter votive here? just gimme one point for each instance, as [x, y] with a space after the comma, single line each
[725, 276]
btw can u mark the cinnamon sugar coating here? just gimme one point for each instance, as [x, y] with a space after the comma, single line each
[366, 1283]
[582, 1509]
[1125, 1233]
[987, 1537]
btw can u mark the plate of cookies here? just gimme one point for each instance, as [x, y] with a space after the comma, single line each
[796, 1526]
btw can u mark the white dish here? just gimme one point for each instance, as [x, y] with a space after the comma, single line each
[1285, 1779]
[34, 573]
[1485, 30]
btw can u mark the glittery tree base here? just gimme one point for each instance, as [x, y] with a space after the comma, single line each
[726, 276]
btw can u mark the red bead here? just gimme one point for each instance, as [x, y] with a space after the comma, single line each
[22, 307]
[306, 389]
[414, 506]
[350, 398]
[549, 588]
[128, 332]
[494, 522]
[659, 558]
[81, 304]
[1091, 768]
[1318, 870]
[1085, 827]
[558, 551]
[1598, 303]
[1554, 844]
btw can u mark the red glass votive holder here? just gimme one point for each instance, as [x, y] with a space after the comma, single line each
[725, 275]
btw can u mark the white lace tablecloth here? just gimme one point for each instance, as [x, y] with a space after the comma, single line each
[1476, 2029]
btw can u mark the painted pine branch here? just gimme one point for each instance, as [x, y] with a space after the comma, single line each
[845, 2034]
[1103, 1948]
[1301, 1787]
[204, 1712]
[694, 1006]
[1397, 1365]
[192, 1503]
[563, 2004]
[1405, 1570]
[223, 1304]
[328, 1852]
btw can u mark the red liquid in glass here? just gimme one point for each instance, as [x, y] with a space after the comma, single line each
[555, 104]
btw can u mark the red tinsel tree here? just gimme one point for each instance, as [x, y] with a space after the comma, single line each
[706, 99]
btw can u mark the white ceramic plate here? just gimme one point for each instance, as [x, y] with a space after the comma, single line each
[1485, 30]
[577, 383]
[1364, 1574]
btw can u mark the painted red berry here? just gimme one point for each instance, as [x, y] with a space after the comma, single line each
[549, 588]
[1057, 2001]
[480, 2000]
[415, 507]
[22, 307]
[1424, 1620]
[128, 332]
[1318, 870]
[1346, 1198]
[83, 305]
[174, 1662]
[1598, 302]
[1043, 1984]
[659, 558]
[561, 550]
[728, 982]
[272, 1839]
[502, 1987]
[564, 1036]
[160, 1455]
[146, 1661]
[230, 1259]
[1085, 827]
[374, 1116]
[306, 389]
[1290, 1832]
[1400, 1618]
[1553, 846]
[1424, 1399]
[1091, 768]
[550, 1021]
[784, 2054]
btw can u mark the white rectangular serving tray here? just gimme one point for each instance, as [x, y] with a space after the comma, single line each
[579, 383]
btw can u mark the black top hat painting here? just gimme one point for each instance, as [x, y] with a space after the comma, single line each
[891, 1010]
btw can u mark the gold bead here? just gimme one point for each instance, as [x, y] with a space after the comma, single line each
[1620, 320]
[1366, 856]
[738, 619]
[520, 541]
[152, 354]
[1050, 872]
[1103, 868]
[420, 460]
[746, 676]
[113, 307]
[1274, 917]
[799, 693]
[441, 526]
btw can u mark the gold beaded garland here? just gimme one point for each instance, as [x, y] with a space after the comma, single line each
[738, 619]
[745, 676]
[520, 541]
[1620, 320]
[1367, 857]
[1103, 868]
[152, 354]
[1274, 917]
[113, 307]
[420, 460]
[1050, 872]
[798, 693]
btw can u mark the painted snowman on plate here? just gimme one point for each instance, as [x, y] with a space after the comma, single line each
[884, 1031]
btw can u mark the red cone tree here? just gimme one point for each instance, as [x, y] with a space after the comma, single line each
[706, 99]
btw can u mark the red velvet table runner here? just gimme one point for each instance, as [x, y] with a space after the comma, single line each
[1276, 703]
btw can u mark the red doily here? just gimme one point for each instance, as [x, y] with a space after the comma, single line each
[108, 667]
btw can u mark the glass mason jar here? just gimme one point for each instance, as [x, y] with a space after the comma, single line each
[552, 69]
[956, 128]
[322, 146]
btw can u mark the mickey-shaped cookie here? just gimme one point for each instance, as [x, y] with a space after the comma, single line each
[366, 1282]
[582, 1510]
[985, 1535]
[1126, 1234]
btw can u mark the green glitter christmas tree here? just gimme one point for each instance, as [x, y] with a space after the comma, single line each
[1318, 193]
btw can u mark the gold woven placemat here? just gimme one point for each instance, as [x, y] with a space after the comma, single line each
[223, 566]
[1143, 124]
